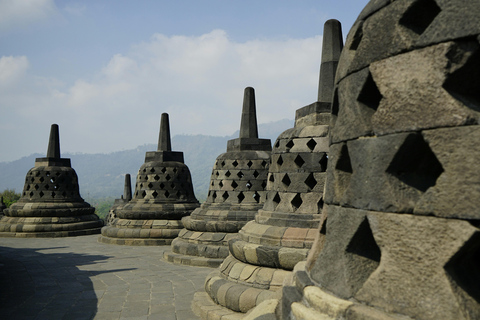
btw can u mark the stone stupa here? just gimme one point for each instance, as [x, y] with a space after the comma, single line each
[284, 229]
[237, 191]
[50, 205]
[124, 199]
[401, 237]
[163, 196]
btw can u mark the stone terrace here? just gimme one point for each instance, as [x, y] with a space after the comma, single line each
[79, 278]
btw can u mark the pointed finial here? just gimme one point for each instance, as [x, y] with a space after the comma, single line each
[127, 190]
[331, 49]
[164, 143]
[248, 125]
[53, 150]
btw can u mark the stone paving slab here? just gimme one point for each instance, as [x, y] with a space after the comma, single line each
[80, 278]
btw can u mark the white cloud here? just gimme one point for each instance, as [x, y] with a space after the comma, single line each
[20, 13]
[199, 81]
[12, 69]
[75, 9]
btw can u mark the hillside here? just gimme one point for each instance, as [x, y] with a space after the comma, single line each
[102, 175]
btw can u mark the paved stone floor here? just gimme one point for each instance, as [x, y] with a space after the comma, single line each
[79, 278]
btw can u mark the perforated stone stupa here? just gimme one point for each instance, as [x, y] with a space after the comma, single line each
[400, 237]
[50, 205]
[237, 191]
[163, 196]
[284, 229]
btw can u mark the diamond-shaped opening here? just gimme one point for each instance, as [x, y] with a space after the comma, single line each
[220, 184]
[370, 96]
[150, 185]
[323, 162]
[41, 194]
[276, 198]
[362, 250]
[280, 160]
[264, 163]
[36, 187]
[264, 185]
[144, 170]
[161, 185]
[146, 178]
[41, 179]
[310, 181]
[217, 174]
[33, 179]
[464, 82]
[173, 186]
[47, 187]
[223, 163]
[156, 178]
[28, 187]
[256, 197]
[415, 164]
[167, 194]
[152, 170]
[463, 270]
[163, 170]
[297, 201]
[37, 173]
[335, 103]
[155, 194]
[175, 170]
[235, 163]
[277, 144]
[31, 194]
[225, 196]
[240, 197]
[343, 163]
[214, 195]
[167, 177]
[248, 184]
[53, 194]
[144, 194]
[420, 15]
[299, 161]
[271, 178]
[256, 174]
[240, 174]
[234, 184]
[228, 173]
[357, 37]
[249, 164]
[286, 180]
[290, 144]
[320, 204]
[141, 185]
[311, 144]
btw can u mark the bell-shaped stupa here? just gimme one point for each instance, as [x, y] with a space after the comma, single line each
[124, 199]
[401, 234]
[163, 196]
[237, 191]
[50, 205]
[284, 230]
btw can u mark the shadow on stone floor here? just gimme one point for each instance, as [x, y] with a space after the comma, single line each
[45, 285]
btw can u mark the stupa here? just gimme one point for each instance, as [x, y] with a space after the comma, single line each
[284, 229]
[124, 199]
[50, 205]
[163, 196]
[237, 191]
[401, 233]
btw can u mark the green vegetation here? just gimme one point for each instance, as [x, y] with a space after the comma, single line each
[9, 196]
[102, 206]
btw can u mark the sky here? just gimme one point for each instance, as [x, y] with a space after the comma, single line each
[105, 70]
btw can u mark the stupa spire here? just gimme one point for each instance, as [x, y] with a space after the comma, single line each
[53, 150]
[331, 49]
[248, 124]
[127, 190]
[164, 143]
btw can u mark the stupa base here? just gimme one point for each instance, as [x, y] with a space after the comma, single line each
[54, 234]
[195, 261]
[134, 241]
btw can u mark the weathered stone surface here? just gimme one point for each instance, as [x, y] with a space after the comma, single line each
[50, 205]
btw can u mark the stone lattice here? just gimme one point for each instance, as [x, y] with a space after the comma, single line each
[50, 205]
[237, 191]
[163, 195]
[284, 229]
[400, 234]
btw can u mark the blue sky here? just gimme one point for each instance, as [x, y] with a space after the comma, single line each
[105, 70]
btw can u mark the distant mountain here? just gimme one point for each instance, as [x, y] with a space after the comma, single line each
[102, 175]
